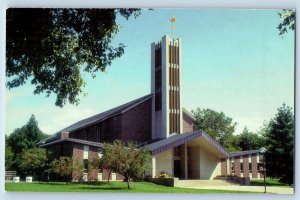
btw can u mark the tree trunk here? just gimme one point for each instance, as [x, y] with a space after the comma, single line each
[128, 180]
[109, 174]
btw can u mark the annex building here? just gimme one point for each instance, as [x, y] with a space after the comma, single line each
[158, 122]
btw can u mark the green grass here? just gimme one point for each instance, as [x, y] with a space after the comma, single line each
[269, 182]
[112, 187]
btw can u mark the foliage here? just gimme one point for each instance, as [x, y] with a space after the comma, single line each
[280, 146]
[217, 125]
[287, 17]
[53, 47]
[135, 161]
[8, 156]
[249, 141]
[26, 137]
[127, 160]
[163, 174]
[65, 166]
[33, 161]
[22, 139]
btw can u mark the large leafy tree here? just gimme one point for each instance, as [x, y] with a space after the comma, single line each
[25, 137]
[217, 125]
[248, 140]
[33, 161]
[22, 139]
[53, 47]
[280, 145]
[8, 156]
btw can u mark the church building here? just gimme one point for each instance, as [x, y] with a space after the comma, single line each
[159, 122]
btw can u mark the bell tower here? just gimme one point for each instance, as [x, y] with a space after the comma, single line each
[166, 86]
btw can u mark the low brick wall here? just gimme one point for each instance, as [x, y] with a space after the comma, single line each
[171, 182]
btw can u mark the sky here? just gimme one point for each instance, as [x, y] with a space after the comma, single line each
[234, 61]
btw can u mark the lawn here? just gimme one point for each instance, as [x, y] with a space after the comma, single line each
[269, 182]
[112, 187]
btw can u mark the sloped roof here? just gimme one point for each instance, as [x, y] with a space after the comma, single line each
[107, 114]
[190, 115]
[95, 144]
[99, 117]
[179, 139]
[241, 153]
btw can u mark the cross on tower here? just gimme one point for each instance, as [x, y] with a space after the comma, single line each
[173, 20]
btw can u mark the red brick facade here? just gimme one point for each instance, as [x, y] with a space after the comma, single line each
[223, 167]
[133, 125]
[187, 124]
[78, 154]
[254, 165]
[93, 154]
[136, 123]
[246, 165]
[237, 166]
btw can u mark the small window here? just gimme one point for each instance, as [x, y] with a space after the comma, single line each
[260, 167]
[85, 165]
[232, 168]
[242, 167]
[100, 153]
[250, 167]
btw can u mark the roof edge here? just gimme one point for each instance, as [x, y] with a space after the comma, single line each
[188, 114]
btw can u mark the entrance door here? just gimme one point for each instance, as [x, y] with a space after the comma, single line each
[177, 168]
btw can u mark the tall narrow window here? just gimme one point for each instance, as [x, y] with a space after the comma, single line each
[85, 165]
[242, 167]
[250, 167]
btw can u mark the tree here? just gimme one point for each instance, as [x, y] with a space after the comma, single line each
[217, 125]
[53, 47]
[280, 145]
[8, 156]
[134, 161]
[24, 138]
[127, 160]
[249, 141]
[287, 17]
[33, 161]
[65, 166]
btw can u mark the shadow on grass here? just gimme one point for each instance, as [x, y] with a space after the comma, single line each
[270, 183]
[103, 188]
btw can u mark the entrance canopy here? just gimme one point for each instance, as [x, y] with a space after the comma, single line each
[193, 138]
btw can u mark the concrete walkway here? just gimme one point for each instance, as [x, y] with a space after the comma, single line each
[270, 189]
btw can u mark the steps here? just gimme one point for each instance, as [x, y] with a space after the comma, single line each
[199, 183]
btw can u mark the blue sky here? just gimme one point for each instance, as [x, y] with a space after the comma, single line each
[233, 61]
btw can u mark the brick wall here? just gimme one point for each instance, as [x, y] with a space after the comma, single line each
[237, 166]
[187, 123]
[136, 123]
[78, 154]
[254, 165]
[93, 154]
[223, 167]
[261, 172]
[246, 165]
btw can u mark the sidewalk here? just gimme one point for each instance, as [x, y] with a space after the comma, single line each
[270, 189]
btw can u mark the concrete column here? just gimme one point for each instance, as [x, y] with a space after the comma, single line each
[185, 162]
[153, 166]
